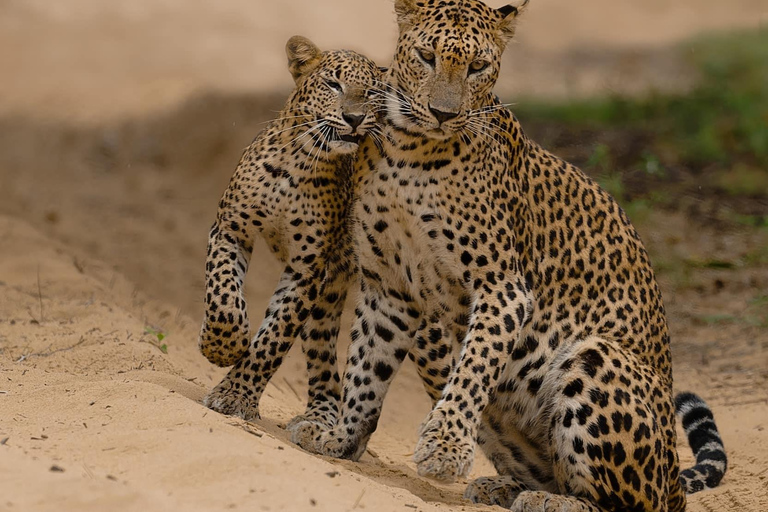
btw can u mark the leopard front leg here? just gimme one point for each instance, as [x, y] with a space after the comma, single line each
[238, 394]
[240, 391]
[435, 356]
[382, 335]
[224, 335]
[445, 450]
[318, 343]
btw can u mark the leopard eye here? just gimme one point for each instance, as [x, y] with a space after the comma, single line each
[427, 56]
[336, 86]
[478, 65]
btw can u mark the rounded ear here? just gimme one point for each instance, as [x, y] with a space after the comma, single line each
[303, 56]
[508, 15]
[407, 13]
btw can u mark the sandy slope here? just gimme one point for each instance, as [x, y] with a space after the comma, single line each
[85, 389]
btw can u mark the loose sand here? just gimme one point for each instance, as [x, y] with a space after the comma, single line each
[95, 416]
[102, 239]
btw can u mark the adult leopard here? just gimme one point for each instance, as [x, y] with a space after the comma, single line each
[292, 188]
[564, 376]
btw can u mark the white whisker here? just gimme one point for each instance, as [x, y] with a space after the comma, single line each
[296, 126]
[304, 134]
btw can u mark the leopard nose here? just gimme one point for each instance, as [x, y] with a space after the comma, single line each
[353, 120]
[441, 116]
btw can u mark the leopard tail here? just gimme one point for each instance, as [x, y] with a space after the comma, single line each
[711, 460]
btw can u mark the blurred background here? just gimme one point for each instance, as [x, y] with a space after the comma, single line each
[121, 122]
[91, 60]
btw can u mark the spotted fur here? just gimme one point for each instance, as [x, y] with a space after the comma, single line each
[293, 189]
[564, 373]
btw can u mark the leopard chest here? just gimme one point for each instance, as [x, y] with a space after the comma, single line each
[302, 214]
[417, 228]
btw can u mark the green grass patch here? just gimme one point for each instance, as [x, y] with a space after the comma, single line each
[719, 319]
[722, 120]
[752, 221]
[755, 314]
[716, 264]
[157, 337]
[743, 180]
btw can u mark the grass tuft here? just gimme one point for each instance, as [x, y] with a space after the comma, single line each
[722, 120]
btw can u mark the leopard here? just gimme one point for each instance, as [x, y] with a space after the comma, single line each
[563, 371]
[292, 189]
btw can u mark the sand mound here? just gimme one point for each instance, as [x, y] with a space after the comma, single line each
[96, 416]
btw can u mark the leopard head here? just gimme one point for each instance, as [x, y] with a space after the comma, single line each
[333, 94]
[446, 63]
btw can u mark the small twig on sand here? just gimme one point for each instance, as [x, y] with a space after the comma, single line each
[40, 294]
[358, 500]
[79, 265]
[292, 389]
[246, 427]
[51, 352]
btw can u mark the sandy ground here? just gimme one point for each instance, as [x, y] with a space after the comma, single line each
[110, 169]
[95, 416]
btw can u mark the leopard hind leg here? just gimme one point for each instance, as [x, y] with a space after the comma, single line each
[608, 417]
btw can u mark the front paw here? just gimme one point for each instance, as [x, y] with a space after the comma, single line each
[334, 442]
[306, 433]
[340, 443]
[499, 490]
[324, 413]
[325, 420]
[446, 448]
[226, 398]
[224, 337]
[542, 501]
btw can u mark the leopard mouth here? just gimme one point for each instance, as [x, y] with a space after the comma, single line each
[350, 137]
[440, 133]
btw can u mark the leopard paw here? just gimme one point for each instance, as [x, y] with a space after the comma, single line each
[542, 501]
[325, 420]
[226, 399]
[339, 443]
[224, 343]
[499, 490]
[532, 501]
[445, 450]
[306, 433]
[331, 442]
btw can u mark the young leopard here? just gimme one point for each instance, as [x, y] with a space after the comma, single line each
[293, 188]
[564, 376]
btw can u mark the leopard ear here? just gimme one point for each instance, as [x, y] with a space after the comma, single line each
[508, 15]
[407, 13]
[303, 56]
